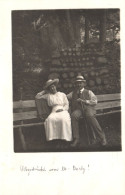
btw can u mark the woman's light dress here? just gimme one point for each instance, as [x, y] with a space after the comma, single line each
[58, 124]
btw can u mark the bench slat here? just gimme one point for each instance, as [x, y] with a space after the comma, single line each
[104, 105]
[41, 123]
[25, 104]
[29, 125]
[17, 104]
[31, 103]
[109, 97]
[24, 115]
[110, 112]
[33, 114]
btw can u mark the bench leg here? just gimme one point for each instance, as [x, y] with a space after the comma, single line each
[22, 139]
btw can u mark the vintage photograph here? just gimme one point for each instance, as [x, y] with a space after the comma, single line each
[66, 72]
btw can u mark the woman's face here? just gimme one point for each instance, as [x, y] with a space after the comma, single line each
[52, 89]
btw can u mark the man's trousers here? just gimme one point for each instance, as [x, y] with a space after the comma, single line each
[91, 121]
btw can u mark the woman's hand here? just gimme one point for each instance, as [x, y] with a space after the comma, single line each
[46, 91]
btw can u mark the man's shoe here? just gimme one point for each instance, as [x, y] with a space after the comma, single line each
[75, 143]
[93, 142]
[103, 143]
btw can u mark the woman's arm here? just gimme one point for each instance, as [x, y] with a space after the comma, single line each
[42, 94]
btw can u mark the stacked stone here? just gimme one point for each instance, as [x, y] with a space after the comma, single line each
[89, 61]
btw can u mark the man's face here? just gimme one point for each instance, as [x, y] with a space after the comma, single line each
[79, 84]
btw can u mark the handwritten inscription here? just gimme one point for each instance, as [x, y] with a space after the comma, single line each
[81, 168]
[53, 169]
[43, 169]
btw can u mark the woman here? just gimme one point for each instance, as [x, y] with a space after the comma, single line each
[58, 123]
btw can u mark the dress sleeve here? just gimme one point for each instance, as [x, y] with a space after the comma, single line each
[93, 99]
[66, 103]
[41, 94]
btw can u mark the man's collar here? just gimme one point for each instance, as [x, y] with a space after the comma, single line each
[81, 90]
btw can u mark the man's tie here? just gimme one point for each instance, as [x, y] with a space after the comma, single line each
[79, 93]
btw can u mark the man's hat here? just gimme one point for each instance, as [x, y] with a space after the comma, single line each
[80, 79]
[50, 82]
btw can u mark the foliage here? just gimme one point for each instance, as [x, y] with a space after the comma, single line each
[36, 34]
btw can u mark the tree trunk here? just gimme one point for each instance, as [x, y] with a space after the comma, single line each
[70, 27]
[103, 28]
[51, 40]
[76, 26]
[86, 29]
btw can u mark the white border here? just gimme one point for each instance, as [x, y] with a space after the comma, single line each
[104, 173]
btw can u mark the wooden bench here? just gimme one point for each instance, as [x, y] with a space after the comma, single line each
[25, 113]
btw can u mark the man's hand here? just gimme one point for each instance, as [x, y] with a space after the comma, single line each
[80, 100]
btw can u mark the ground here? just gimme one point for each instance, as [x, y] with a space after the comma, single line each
[36, 142]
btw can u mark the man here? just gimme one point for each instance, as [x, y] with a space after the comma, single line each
[83, 102]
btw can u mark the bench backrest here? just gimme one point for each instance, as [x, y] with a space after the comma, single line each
[24, 110]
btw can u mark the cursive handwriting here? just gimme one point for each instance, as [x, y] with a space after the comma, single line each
[44, 169]
[33, 169]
